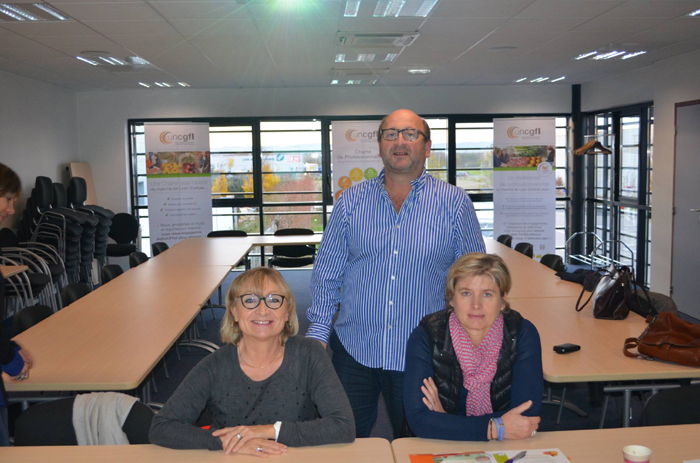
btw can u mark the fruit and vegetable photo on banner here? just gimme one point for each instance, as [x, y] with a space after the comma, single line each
[355, 154]
[524, 182]
[179, 181]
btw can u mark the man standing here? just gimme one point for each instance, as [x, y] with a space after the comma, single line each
[384, 258]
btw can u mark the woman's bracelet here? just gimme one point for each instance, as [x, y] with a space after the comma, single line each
[500, 428]
[489, 432]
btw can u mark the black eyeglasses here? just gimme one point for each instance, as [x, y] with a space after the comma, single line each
[393, 134]
[272, 301]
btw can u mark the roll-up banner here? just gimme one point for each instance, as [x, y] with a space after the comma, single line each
[524, 182]
[355, 153]
[179, 181]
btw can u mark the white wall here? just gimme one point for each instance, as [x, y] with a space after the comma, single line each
[103, 115]
[673, 80]
[38, 131]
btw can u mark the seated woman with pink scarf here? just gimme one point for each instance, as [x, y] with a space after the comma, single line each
[474, 370]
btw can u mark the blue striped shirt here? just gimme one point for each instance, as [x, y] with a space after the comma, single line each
[388, 270]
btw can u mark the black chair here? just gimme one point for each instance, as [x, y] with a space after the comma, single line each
[110, 272]
[553, 261]
[30, 316]
[51, 423]
[159, 247]
[506, 240]
[231, 234]
[137, 258]
[295, 255]
[73, 292]
[673, 406]
[124, 231]
[524, 248]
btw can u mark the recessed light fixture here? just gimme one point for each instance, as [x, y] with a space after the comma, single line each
[183, 84]
[18, 11]
[373, 82]
[165, 84]
[425, 9]
[138, 60]
[586, 55]
[609, 55]
[334, 82]
[366, 57]
[539, 79]
[350, 82]
[89, 61]
[144, 85]
[419, 71]
[632, 55]
[693, 14]
[340, 58]
[159, 84]
[558, 79]
[351, 8]
[52, 11]
[391, 56]
[387, 8]
[521, 80]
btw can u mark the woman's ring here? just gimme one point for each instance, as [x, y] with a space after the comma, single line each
[533, 433]
[21, 377]
[259, 449]
[239, 436]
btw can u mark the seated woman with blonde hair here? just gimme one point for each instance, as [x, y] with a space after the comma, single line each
[266, 388]
[474, 370]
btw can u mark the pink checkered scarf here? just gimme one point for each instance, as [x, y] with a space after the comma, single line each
[478, 363]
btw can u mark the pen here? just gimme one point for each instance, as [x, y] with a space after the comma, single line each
[517, 457]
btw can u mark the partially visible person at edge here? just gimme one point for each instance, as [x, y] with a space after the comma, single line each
[474, 369]
[14, 360]
[265, 389]
[384, 258]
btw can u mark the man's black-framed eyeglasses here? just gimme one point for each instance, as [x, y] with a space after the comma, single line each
[393, 134]
[272, 301]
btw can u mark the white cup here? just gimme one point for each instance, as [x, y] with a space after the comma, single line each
[636, 454]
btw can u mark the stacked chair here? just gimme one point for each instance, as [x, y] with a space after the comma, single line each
[77, 194]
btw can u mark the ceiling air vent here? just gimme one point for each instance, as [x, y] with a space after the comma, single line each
[351, 39]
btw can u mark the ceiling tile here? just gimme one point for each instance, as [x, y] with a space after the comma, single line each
[49, 28]
[87, 12]
[227, 10]
[291, 10]
[655, 8]
[143, 28]
[379, 25]
[76, 44]
[568, 8]
[562, 24]
[479, 8]
[193, 27]
[676, 30]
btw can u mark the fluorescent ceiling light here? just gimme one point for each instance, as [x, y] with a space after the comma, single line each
[357, 82]
[334, 82]
[692, 14]
[52, 11]
[366, 57]
[585, 55]
[165, 84]
[11, 14]
[144, 85]
[391, 56]
[419, 71]
[183, 84]
[350, 82]
[340, 58]
[632, 55]
[373, 82]
[18, 11]
[539, 79]
[351, 8]
[609, 55]
[89, 61]
[558, 79]
[425, 9]
[107, 60]
[388, 8]
[521, 80]
[159, 84]
[138, 60]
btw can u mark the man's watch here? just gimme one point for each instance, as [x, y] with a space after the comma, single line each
[277, 426]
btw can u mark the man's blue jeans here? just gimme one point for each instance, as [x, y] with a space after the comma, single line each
[363, 385]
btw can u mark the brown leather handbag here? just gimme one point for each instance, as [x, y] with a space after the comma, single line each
[667, 338]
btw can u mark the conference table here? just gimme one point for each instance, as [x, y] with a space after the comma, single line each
[668, 444]
[371, 450]
[11, 270]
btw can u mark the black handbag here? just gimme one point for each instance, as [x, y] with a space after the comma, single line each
[614, 294]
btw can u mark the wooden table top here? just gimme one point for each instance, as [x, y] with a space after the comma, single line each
[9, 270]
[668, 444]
[601, 341]
[530, 278]
[113, 337]
[370, 450]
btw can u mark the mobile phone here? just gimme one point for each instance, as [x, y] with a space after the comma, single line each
[566, 348]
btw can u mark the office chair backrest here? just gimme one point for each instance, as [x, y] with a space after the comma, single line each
[51, 423]
[77, 191]
[60, 197]
[137, 258]
[227, 234]
[110, 272]
[524, 248]
[30, 316]
[73, 292]
[43, 193]
[673, 406]
[159, 247]
[553, 261]
[506, 240]
[124, 229]
[302, 250]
